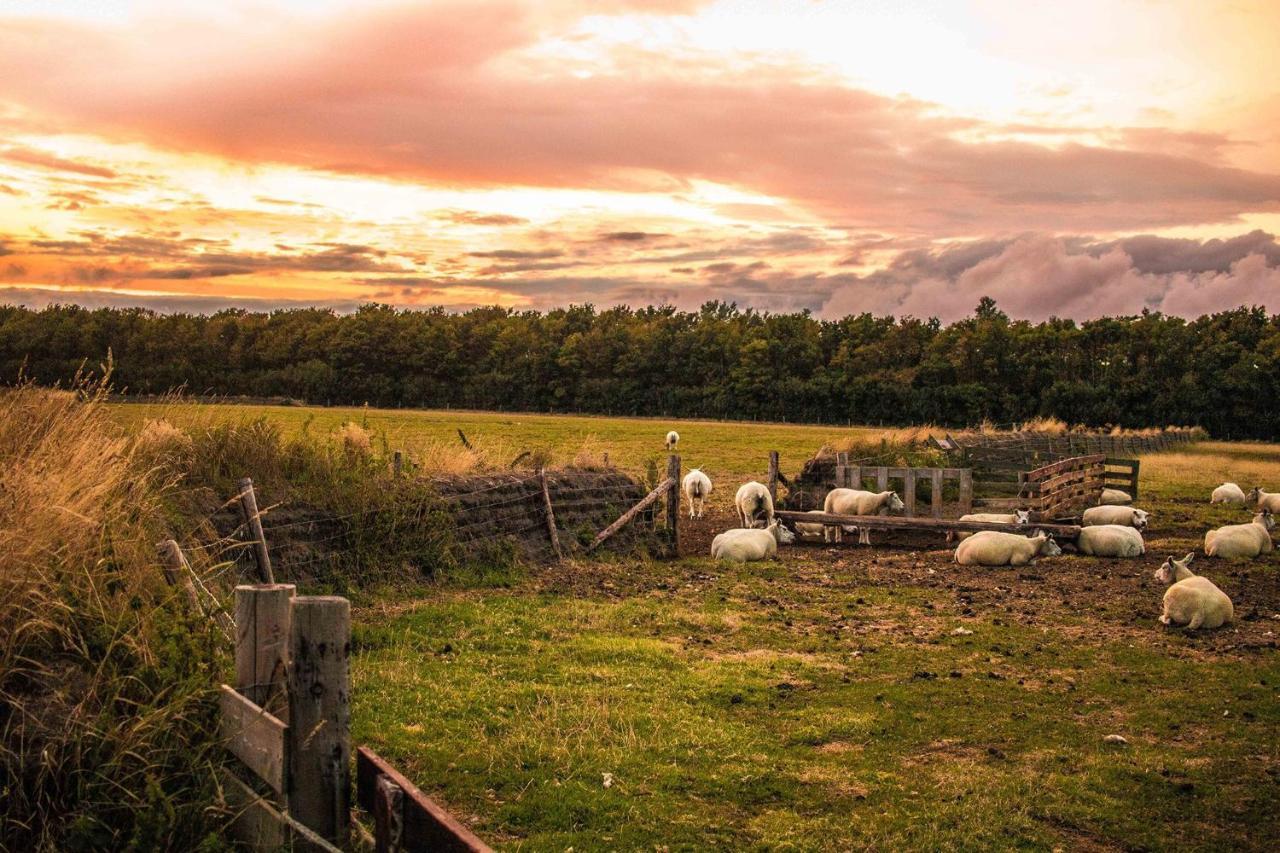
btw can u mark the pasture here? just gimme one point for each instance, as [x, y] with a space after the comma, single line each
[837, 698]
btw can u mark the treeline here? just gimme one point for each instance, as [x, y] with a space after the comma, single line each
[1219, 371]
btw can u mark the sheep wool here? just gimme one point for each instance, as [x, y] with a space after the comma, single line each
[744, 545]
[1123, 515]
[752, 500]
[1227, 493]
[995, 548]
[1241, 540]
[1192, 601]
[697, 486]
[1111, 540]
[858, 502]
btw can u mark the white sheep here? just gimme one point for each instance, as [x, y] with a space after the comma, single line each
[697, 486]
[1018, 517]
[1270, 501]
[1191, 600]
[1110, 540]
[673, 438]
[751, 500]
[996, 548]
[1228, 493]
[1241, 540]
[1115, 497]
[814, 530]
[858, 502]
[1124, 515]
[747, 545]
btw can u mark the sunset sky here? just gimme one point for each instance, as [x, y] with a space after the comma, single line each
[1071, 159]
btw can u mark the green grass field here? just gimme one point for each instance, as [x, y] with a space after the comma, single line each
[857, 698]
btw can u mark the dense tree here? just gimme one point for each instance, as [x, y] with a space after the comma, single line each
[1218, 371]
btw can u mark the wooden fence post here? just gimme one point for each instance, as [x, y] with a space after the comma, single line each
[909, 493]
[966, 491]
[773, 476]
[320, 715]
[1133, 489]
[396, 463]
[264, 614]
[550, 513]
[936, 495]
[177, 572]
[673, 503]
[249, 505]
[842, 470]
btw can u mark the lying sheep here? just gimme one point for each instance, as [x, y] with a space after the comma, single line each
[1110, 540]
[1114, 497]
[751, 500]
[673, 438]
[1241, 540]
[747, 545]
[995, 548]
[858, 502]
[1270, 501]
[813, 530]
[1123, 515]
[1018, 517]
[1228, 493]
[697, 486]
[1191, 600]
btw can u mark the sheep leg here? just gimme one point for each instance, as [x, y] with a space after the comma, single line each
[1197, 619]
[864, 536]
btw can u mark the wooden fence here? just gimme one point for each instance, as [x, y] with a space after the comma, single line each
[1031, 449]
[853, 476]
[1054, 489]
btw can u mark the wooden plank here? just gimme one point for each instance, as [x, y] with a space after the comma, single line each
[882, 522]
[256, 737]
[320, 715]
[263, 613]
[936, 497]
[966, 491]
[648, 501]
[882, 478]
[842, 470]
[772, 482]
[258, 825]
[909, 493]
[425, 825]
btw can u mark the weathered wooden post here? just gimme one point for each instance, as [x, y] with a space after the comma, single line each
[842, 470]
[773, 476]
[909, 492]
[673, 503]
[936, 489]
[249, 505]
[177, 572]
[264, 614]
[550, 513]
[966, 491]
[396, 462]
[320, 715]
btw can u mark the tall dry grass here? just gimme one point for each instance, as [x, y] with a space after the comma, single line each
[104, 724]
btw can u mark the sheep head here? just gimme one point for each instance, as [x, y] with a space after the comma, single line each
[1022, 516]
[895, 503]
[782, 533]
[1049, 547]
[1255, 494]
[1266, 519]
[1140, 517]
[1169, 571]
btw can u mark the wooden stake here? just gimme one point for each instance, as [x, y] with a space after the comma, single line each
[648, 501]
[249, 504]
[264, 614]
[177, 572]
[773, 475]
[395, 463]
[550, 513]
[673, 503]
[320, 715]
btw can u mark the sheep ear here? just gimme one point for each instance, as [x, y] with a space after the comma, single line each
[1187, 559]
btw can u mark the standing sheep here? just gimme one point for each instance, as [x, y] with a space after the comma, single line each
[1269, 501]
[673, 438]
[1110, 540]
[1228, 493]
[858, 502]
[1241, 540]
[1115, 497]
[751, 500]
[1191, 600]
[994, 548]
[1125, 515]
[745, 546]
[1018, 517]
[697, 486]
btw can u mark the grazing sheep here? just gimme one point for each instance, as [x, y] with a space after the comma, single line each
[858, 502]
[813, 530]
[1019, 517]
[995, 548]
[697, 486]
[745, 546]
[1270, 501]
[1123, 515]
[1241, 540]
[752, 500]
[1115, 497]
[1191, 600]
[1110, 540]
[673, 438]
[1228, 493]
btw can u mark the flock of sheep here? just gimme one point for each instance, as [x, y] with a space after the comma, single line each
[1111, 529]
